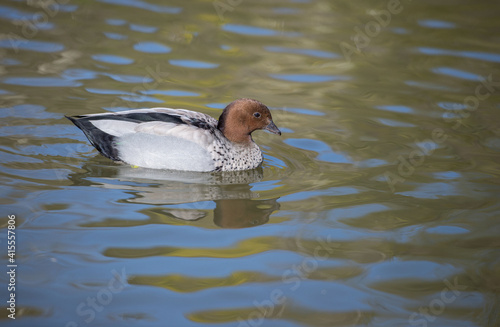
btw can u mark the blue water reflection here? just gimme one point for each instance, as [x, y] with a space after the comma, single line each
[324, 151]
[116, 22]
[144, 5]
[309, 78]
[192, 63]
[456, 73]
[113, 59]
[41, 81]
[136, 79]
[303, 111]
[434, 23]
[458, 53]
[152, 47]
[254, 30]
[307, 52]
[143, 28]
[396, 108]
[175, 93]
[31, 45]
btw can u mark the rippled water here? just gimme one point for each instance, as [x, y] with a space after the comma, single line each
[378, 206]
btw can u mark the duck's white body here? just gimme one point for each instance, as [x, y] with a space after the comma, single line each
[165, 138]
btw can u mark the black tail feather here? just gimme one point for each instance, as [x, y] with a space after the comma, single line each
[103, 142]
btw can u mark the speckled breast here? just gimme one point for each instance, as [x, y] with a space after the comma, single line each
[229, 156]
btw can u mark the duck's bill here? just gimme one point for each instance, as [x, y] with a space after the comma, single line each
[273, 128]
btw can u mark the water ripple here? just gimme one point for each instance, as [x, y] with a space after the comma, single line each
[144, 5]
[193, 64]
[136, 79]
[456, 73]
[492, 57]
[325, 153]
[396, 108]
[175, 93]
[307, 52]
[115, 21]
[31, 45]
[113, 59]
[303, 111]
[434, 23]
[309, 78]
[115, 36]
[143, 28]
[254, 30]
[151, 47]
[41, 81]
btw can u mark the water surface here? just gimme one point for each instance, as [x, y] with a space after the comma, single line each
[378, 206]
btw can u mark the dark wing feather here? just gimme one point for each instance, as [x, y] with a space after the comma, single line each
[200, 123]
[137, 117]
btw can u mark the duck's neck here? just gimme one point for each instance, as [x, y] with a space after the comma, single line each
[233, 131]
[237, 136]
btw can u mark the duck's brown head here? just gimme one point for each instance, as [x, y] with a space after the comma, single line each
[243, 116]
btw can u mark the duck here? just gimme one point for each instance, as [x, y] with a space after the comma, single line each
[181, 139]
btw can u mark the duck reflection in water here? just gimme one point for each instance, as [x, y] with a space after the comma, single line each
[231, 213]
[187, 196]
[243, 212]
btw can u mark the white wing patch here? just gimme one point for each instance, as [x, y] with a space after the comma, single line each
[115, 127]
[163, 152]
[190, 133]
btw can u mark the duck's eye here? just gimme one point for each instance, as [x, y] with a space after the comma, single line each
[256, 114]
